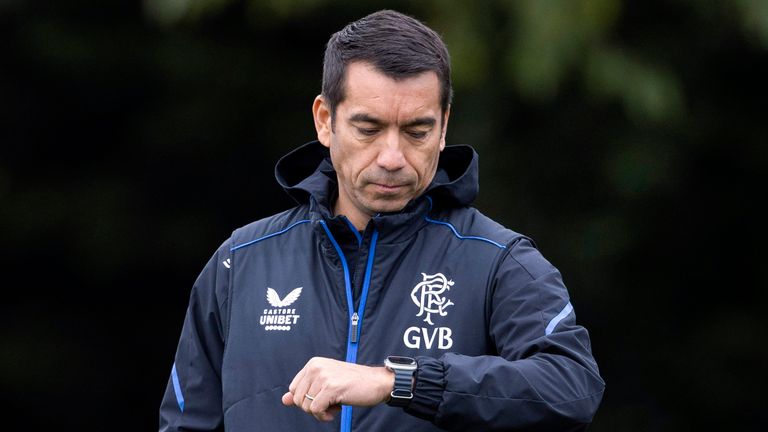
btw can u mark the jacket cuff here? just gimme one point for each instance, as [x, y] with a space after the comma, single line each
[428, 389]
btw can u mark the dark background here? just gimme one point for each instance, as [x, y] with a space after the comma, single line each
[627, 138]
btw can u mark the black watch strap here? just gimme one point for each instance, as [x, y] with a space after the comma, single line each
[402, 392]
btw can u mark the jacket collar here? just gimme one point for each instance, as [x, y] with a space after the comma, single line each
[307, 175]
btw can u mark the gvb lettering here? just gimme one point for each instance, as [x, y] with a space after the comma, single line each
[414, 336]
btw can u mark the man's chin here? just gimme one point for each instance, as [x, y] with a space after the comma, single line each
[388, 206]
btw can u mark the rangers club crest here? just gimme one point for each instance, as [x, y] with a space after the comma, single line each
[428, 296]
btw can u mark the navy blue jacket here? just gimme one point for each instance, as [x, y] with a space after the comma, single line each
[487, 317]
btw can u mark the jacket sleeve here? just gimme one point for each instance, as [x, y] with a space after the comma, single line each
[192, 399]
[542, 377]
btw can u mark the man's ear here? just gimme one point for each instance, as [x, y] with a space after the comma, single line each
[322, 115]
[444, 127]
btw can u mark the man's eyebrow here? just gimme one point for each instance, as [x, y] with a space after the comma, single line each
[421, 121]
[365, 118]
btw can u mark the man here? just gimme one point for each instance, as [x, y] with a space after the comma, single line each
[382, 301]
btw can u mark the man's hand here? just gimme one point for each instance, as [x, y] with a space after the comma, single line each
[332, 383]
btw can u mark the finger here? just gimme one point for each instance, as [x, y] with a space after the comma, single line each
[330, 413]
[323, 405]
[324, 416]
[313, 398]
[299, 387]
[302, 388]
[287, 399]
[296, 379]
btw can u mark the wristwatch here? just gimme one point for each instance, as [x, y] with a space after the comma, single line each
[404, 368]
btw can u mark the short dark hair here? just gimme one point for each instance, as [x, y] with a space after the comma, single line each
[397, 45]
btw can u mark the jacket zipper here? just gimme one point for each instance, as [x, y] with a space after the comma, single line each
[355, 325]
[355, 317]
[355, 320]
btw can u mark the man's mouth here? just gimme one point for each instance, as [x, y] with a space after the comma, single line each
[383, 187]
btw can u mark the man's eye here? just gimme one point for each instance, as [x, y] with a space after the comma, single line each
[417, 135]
[367, 132]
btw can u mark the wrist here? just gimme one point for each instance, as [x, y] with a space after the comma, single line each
[387, 383]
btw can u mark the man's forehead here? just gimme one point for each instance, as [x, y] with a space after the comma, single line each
[370, 92]
[364, 77]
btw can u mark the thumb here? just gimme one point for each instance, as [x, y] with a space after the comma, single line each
[288, 399]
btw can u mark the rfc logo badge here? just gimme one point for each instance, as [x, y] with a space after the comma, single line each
[280, 317]
[429, 296]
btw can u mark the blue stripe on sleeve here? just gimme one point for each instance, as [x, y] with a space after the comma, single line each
[559, 317]
[177, 388]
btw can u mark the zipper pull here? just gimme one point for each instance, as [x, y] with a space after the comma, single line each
[355, 319]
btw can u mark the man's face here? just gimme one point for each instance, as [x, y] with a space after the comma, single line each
[385, 140]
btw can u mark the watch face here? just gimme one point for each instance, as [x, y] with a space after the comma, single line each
[398, 360]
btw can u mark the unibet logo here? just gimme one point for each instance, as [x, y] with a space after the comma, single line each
[280, 317]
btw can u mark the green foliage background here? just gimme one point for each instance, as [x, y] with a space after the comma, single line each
[627, 138]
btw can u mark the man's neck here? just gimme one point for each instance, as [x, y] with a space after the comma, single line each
[359, 219]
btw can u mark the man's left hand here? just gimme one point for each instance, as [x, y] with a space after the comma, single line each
[331, 383]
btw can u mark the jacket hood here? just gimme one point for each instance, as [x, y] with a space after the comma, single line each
[308, 171]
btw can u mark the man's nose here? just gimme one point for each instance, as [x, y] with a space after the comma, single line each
[391, 156]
